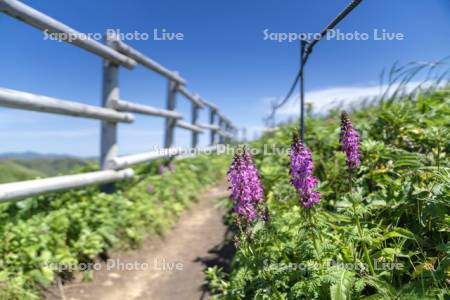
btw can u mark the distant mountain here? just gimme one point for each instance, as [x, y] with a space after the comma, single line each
[33, 155]
[30, 165]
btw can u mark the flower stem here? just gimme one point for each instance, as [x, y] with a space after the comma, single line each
[312, 226]
[366, 252]
[367, 257]
[438, 155]
[350, 180]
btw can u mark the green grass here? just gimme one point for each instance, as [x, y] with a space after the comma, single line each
[11, 171]
[24, 169]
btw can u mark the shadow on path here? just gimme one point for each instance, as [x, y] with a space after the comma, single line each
[221, 256]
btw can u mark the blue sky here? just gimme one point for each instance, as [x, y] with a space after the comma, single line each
[223, 56]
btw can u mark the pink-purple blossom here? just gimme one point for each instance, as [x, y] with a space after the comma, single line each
[349, 139]
[246, 189]
[301, 171]
[162, 169]
[169, 168]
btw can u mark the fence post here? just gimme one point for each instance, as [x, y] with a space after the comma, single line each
[170, 122]
[212, 119]
[195, 109]
[244, 135]
[108, 142]
[228, 131]
[221, 139]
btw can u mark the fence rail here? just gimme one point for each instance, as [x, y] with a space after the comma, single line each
[145, 61]
[185, 125]
[122, 105]
[114, 110]
[27, 101]
[208, 126]
[43, 22]
[129, 160]
[195, 99]
[17, 190]
[209, 105]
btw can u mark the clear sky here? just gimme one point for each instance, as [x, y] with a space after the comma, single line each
[223, 56]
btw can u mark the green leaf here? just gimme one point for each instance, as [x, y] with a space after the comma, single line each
[339, 290]
[398, 232]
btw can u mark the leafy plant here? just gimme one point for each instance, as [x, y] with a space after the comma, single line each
[66, 229]
[397, 216]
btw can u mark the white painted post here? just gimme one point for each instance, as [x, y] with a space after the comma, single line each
[195, 109]
[170, 122]
[227, 130]
[236, 134]
[221, 123]
[212, 118]
[108, 143]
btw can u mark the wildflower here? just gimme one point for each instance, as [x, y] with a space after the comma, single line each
[349, 139]
[150, 188]
[301, 171]
[246, 189]
[162, 169]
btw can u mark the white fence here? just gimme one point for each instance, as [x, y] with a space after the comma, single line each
[114, 110]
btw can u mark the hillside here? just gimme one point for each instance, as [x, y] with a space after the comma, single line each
[29, 168]
[11, 171]
[33, 155]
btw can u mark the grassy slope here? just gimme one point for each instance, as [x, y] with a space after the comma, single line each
[53, 166]
[400, 193]
[11, 171]
[24, 169]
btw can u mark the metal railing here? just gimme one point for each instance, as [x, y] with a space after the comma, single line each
[114, 110]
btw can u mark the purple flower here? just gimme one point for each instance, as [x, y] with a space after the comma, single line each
[349, 140]
[150, 188]
[301, 171]
[162, 169]
[246, 189]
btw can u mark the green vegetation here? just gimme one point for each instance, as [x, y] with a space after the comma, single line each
[74, 227]
[11, 171]
[23, 169]
[401, 196]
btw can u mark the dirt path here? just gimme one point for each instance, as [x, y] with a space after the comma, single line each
[169, 268]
